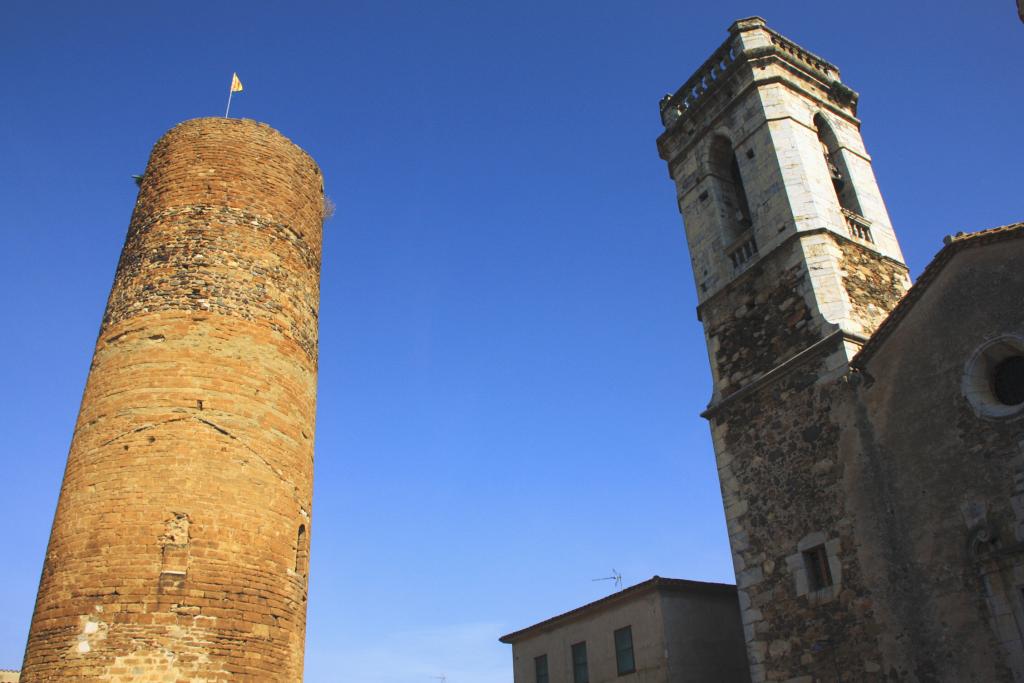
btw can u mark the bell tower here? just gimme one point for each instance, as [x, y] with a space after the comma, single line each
[783, 216]
[796, 264]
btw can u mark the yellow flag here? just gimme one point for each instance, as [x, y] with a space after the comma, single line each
[236, 85]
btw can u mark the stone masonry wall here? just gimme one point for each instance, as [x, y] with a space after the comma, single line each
[760, 321]
[942, 492]
[782, 485]
[179, 547]
[873, 284]
[773, 311]
[916, 496]
[784, 480]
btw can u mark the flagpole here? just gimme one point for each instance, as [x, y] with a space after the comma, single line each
[231, 91]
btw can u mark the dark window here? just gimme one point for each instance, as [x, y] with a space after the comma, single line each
[624, 651]
[818, 573]
[1008, 381]
[540, 668]
[579, 663]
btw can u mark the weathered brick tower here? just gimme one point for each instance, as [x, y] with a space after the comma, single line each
[180, 546]
[796, 265]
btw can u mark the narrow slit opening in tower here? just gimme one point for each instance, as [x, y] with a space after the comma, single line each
[301, 551]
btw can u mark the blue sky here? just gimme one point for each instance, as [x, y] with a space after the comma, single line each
[511, 369]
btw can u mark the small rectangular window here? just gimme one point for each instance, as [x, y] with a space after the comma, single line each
[540, 668]
[816, 564]
[624, 651]
[579, 663]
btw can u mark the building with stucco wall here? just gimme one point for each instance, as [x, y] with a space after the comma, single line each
[658, 631]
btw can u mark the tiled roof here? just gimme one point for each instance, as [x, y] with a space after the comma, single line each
[654, 583]
[953, 245]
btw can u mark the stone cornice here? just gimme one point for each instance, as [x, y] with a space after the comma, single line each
[706, 78]
[813, 351]
[698, 125]
[724, 65]
[757, 265]
[656, 583]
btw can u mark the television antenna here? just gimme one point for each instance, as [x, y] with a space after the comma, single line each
[616, 577]
[442, 678]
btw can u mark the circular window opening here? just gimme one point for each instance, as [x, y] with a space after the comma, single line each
[994, 378]
[1008, 381]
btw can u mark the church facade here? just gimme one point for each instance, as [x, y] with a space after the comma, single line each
[869, 435]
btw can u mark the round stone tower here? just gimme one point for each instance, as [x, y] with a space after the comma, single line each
[180, 546]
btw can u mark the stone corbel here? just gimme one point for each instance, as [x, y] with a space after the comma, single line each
[844, 95]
